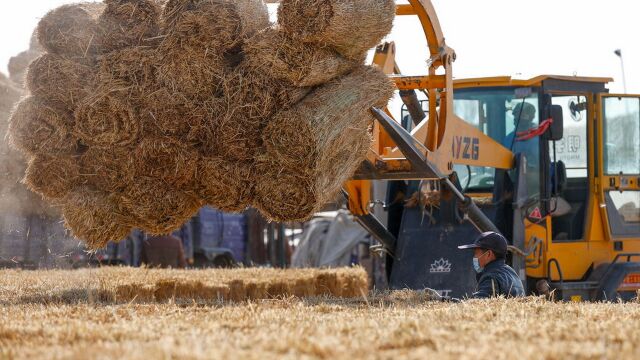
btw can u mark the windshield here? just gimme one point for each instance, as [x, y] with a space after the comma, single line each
[500, 114]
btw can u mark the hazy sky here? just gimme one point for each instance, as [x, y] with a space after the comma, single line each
[491, 37]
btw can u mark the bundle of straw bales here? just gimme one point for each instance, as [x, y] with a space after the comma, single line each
[142, 111]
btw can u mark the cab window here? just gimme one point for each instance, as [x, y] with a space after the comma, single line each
[621, 135]
[572, 148]
[621, 157]
[503, 116]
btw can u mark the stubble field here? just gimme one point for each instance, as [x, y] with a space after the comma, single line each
[80, 314]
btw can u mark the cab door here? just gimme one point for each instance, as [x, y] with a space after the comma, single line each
[619, 168]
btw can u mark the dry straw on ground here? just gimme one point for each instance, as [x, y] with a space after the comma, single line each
[351, 27]
[124, 285]
[59, 314]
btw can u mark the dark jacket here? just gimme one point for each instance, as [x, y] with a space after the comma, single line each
[163, 251]
[497, 279]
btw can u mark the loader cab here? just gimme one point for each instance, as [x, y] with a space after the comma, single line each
[577, 208]
[570, 205]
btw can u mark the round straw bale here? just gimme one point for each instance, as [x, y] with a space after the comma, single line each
[136, 65]
[215, 24]
[205, 25]
[52, 176]
[108, 118]
[237, 134]
[209, 33]
[169, 113]
[162, 112]
[254, 14]
[58, 80]
[108, 169]
[160, 208]
[259, 95]
[223, 184]
[283, 194]
[289, 142]
[332, 126]
[351, 27]
[203, 121]
[164, 158]
[36, 127]
[69, 30]
[95, 217]
[18, 65]
[252, 99]
[196, 73]
[283, 57]
[127, 23]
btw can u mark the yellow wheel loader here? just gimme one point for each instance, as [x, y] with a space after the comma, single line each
[564, 189]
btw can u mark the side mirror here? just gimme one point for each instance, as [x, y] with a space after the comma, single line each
[555, 131]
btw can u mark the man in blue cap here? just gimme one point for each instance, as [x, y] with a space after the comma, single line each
[495, 278]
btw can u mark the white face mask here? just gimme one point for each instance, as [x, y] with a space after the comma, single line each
[476, 262]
